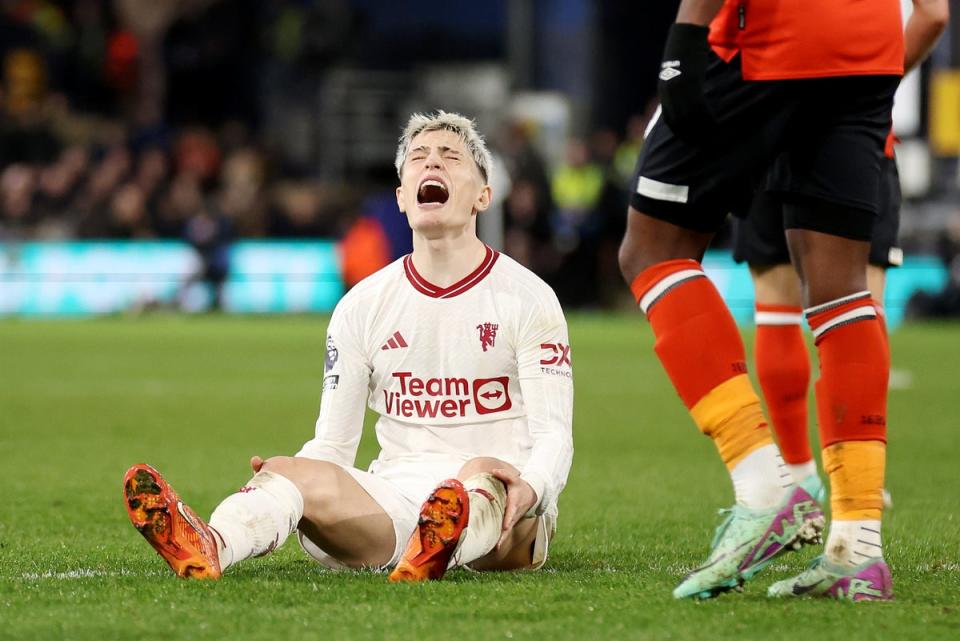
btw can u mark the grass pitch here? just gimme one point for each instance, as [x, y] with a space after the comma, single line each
[80, 401]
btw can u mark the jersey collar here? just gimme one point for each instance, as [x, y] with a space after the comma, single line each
[427, 288]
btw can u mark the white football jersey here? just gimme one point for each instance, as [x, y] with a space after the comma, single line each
[479, 368]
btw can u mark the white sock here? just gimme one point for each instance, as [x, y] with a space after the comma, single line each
[851, 543]
[801, 471]
[760, 479]
[257, 519]
[488, 499]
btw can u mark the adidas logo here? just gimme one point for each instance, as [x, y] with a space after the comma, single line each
[396, 342]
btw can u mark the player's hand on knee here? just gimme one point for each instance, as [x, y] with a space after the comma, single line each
[520, 498]
[256, 463]
[681, 84]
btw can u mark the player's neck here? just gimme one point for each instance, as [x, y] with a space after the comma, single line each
[444, 261]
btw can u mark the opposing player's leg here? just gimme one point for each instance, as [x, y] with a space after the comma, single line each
[783, 364]
[783, 367]
[699, 346]
[885, 252]
[780, 351]
[851, 409]
[461, 523]
[683, 194]
[832, 189]
[329, 506]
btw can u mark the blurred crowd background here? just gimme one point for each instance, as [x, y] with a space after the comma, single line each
[208, 121]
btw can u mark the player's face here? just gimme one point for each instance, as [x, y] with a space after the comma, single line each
[441, 187]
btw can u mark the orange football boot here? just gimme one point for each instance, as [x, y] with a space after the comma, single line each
[184, 541]
[443, 518]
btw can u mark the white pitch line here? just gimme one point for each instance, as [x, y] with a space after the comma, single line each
[83, 573]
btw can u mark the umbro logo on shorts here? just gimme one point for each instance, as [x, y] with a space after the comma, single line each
[396, 342]
[669, 69]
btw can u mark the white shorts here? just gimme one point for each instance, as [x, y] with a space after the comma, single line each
[400, 491]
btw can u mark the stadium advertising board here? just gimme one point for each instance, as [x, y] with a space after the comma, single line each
[88, 278]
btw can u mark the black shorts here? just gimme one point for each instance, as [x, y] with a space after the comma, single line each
[758, 238]
[819, 138]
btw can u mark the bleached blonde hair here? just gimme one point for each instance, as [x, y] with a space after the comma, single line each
[464, 127]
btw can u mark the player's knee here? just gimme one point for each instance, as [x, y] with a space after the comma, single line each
[283, 465]
[632, 259]
[482, 464]
[649, 241]
[316, 480]
[822, 289]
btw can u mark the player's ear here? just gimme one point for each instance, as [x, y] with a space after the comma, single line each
[483, 200]
[400, 199]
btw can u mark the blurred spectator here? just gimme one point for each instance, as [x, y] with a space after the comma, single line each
[197, 152]
[242, 196]
[94, 203]
[297, 212]
[152, 177]
[16, 199]
[577, 223]
[180, 202]
[58, 189]
[527, 233]
[363, 250]
[210, 233]
[527, 208]
[611, 215]
[128, 219]
[523, 162]
[627, 153]
[25, 134]
[380, 204]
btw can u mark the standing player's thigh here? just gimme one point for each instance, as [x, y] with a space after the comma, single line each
[885, 251]
[758, 237]
[834, 155]
[695, 184]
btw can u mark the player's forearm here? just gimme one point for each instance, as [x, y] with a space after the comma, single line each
[549, 406]
[339, 427]
[547, 469]
[699, 12]
[340, 421]
[924, 27]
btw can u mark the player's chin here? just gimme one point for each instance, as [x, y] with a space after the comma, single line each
[430, 229]
[426, 219]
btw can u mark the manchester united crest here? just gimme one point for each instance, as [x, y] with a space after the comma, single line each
[488, 334]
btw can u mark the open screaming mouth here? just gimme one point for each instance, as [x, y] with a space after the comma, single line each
[432, 192]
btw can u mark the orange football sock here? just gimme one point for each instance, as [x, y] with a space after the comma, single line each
[852, 390]
[852, 403]
[701, 350]
[783, 371]
[856, 470]
[882, 317]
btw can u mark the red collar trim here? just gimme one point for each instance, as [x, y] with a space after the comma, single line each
[427, 288]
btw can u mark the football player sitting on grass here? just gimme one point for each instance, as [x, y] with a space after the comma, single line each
[463, 354]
